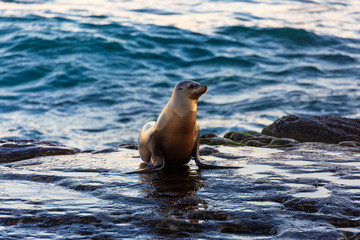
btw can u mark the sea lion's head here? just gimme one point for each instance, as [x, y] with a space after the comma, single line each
[189, 90]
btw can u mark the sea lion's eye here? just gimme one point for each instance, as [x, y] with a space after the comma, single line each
[192, 86]
[179, 88]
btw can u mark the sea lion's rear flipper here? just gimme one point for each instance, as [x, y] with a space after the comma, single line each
[201, 165]
[209, 166]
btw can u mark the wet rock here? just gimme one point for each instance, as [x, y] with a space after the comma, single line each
[282, 142]
[350, 236]
[42, 178]
[235, 228]
[260, 138]
[254, 143]
[218, 141]
[247, 227]
[254, 139]
[309, 191]
[209, 215]
[308, 231]
[208, 135]
[315, 129]
[303, 205]
[350, 144]
[206, 151]
[30, 220]
[8, 221]
[88, 219]
[129, 146]
[16, 150]
[85, 188]
[108, 150]
[174, 225]
[239, 136]
[343, 222]
[103, 237]
[227, 155]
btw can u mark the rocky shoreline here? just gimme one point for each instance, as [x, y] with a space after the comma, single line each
[307, 191]
[287, 131]
[290, 130]
[284, 189]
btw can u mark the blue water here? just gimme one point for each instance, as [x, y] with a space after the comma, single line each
[89, 74]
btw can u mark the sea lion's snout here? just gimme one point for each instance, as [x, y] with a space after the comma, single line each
[198, 91]
[205, 89]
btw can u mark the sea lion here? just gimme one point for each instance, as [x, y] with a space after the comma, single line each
[174, 138]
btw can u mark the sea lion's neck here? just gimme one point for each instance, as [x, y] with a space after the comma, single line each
[177, 119]
[182, 107]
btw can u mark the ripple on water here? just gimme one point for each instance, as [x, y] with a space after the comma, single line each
[135, 53]
[23, 195]
[320, 192]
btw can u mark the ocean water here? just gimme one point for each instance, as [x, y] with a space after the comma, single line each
[89, 74]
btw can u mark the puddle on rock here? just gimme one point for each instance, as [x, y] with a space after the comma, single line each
[320, 192]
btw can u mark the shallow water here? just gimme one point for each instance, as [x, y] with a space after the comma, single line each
[89, 196]
[89, 74]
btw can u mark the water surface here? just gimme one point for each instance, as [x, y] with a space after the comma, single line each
[89, 74]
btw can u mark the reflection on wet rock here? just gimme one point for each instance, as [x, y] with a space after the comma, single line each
[307, 191]
[15, 150]
[176, 185]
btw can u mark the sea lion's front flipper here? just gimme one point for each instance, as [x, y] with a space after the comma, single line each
[201, 165]
[149, 168]
[156, 162]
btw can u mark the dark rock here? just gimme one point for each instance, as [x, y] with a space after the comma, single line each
[8, 221]
[218, 141]
[343, 222]
[104, 237]
[254, 139]
[350, 236]
[85, 188]
[350, 144]
[16, 150]
[254, 143]
[239, 136]
[208, 135]
[129, 146]
[108, 150]
[261, 139]
[88, 219]
[176, 225]
[206, 151]
[227, 155]
[303, 205]
[209, 215]
[247, 227]
[315, 129]
[282, 142]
